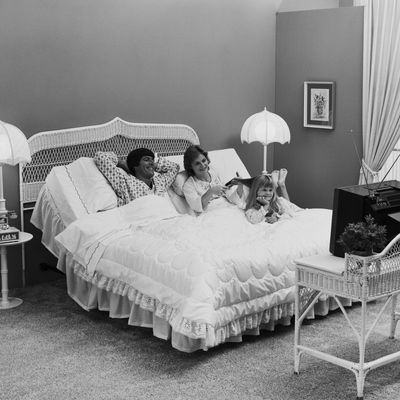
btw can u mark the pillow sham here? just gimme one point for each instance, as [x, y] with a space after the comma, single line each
[93, 188]
[78, 189]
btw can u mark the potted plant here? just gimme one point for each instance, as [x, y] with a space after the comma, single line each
[363, 238]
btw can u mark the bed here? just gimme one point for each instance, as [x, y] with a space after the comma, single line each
[196, 281]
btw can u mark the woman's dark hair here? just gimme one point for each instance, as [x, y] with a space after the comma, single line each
[259, 182]
[191, 153]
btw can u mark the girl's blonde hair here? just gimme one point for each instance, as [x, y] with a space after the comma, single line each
[262, 181]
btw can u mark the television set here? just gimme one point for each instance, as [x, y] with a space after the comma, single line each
[353, 203]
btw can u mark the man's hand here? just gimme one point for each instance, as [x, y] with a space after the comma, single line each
[162, 170]
[122, 164]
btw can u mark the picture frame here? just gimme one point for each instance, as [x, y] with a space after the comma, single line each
[319, 105]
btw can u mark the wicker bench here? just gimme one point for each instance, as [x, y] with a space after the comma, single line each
[357, 278]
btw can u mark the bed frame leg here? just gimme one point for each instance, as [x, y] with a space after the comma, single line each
[46, 267]
[394, 317]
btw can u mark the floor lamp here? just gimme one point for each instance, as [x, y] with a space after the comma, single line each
[265, 127]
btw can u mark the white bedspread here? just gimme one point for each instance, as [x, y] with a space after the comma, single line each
[204, 271]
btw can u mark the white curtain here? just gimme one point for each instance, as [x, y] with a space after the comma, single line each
[381, 84]
[391, 168]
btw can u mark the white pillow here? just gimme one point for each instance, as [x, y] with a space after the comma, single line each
[79, 189]
[181, 177]
[227, 162]
[93, 188]
[178, 183]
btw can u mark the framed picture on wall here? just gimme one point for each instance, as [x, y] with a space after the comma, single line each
[319, 105]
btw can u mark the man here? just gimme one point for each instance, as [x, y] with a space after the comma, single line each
[139, 176]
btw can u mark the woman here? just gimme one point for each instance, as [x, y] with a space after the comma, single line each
[204, 186]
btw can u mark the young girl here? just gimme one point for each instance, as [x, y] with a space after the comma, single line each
[263, 204]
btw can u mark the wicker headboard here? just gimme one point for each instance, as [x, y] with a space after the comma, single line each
[61, 147]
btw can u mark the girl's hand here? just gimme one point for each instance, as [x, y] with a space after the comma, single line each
[272, 219]
[257, 206]
[262, 201]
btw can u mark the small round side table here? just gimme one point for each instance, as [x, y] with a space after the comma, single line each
[9, 302]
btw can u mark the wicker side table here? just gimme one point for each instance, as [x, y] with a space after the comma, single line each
[7, 302]
[357, 278]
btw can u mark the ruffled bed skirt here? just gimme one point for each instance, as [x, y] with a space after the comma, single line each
[121, 300]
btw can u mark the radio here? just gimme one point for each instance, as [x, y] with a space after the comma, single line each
[8, 233]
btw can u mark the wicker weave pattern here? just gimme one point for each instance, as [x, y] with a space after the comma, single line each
[363, 278]
[378, 274]
[61, 147]
[307, 294]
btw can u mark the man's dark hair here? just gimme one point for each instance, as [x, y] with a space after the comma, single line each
[135, 156]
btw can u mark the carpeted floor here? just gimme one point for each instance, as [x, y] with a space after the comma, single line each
[52, 349]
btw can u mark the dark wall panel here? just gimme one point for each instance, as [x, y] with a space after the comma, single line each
[319, 45]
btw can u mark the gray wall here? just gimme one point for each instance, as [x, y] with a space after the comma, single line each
[206, 63]
[298, 5]
[319, 45]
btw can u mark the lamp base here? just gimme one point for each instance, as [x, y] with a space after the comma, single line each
[9, 235]
[11, 302]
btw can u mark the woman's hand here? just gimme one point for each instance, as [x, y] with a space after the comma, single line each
[234, 181]
[217, 190]
[239, 189]
[212, 193]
